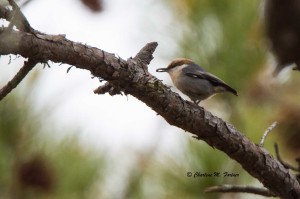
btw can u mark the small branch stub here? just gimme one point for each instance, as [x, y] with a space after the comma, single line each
[145, 54]
[262, 140]
[107, 88]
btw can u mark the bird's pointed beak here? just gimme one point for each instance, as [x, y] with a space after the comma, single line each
[161, 70]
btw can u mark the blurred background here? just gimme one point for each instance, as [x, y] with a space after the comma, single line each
[60, 140]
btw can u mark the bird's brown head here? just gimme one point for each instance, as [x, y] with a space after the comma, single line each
[174, 63]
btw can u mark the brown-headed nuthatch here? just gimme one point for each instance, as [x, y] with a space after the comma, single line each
[194, 81]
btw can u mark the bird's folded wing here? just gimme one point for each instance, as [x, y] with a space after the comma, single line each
[215, 81]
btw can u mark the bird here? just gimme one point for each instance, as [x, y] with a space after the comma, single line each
[193, 81]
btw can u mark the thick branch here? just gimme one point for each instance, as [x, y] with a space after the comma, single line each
[131, 78]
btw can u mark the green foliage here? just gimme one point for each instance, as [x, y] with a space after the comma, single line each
[33, 165]
[167, 176]
[224, 37]
[76, 169]
[206, 171]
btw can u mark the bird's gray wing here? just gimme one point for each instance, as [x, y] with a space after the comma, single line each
[215, 81]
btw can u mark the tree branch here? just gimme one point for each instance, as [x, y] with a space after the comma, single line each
[269, 129]
[132, 77]
[13, 83]
[18, 19]
[286, 165]
[240, 189]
